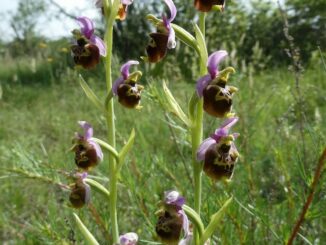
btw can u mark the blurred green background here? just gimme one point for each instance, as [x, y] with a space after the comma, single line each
[282, 131]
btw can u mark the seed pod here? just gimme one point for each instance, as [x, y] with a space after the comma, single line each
[80, 194]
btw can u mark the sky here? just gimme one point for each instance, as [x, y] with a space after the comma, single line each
[53, 28]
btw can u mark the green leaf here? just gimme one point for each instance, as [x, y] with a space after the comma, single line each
[90, 94]
[89, 238]
[195, 219]
[192, 106]
[215, 221]
[107, 146]
[97, 186]
[174, 107]
[202, 44]
[126, 148]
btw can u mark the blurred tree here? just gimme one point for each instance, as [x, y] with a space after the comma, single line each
[23, 23]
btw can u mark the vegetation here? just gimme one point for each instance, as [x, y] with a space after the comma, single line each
[41, 102]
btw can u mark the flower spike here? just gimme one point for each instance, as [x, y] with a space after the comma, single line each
[126, 87]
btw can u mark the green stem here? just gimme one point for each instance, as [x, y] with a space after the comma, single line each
[111, 129]
[197, 137]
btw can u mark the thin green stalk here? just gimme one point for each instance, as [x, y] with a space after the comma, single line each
[197, 137]
[111, 127]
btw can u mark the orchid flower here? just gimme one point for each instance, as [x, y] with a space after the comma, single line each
[164, 38]
[129, 238]
[87, 152]
[218, 152]
[88, 47]
[217, 95]
[80, 193]
[87, 28]
[207, 5]
[172, 219]
[122, 12]
[126, 87]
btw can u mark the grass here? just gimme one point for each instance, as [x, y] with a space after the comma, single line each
[270, 183]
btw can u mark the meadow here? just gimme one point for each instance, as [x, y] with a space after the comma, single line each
[280, 144]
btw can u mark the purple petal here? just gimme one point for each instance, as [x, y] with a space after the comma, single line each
[99, 43]
[87, 26]
[202, 84]
[97, 148]
[171, 39]
[185, 223]
[203, 148]
[173, 10]
[174, 198]
[116, 85]
[127, 2]
[87, 193]
[228, 123]
[219, 134]
[235, 135]
[129, 238]
[125, 68]
[88, 130]
[213, 60]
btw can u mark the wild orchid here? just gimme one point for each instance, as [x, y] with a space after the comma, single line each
[88, 153]
[129, 238]
[80, 192]
[122, 12]
[88, 47]
[207, 5]
[164, 38]
[217, 95]
[219, 152]
[172, 219]
[126, 87]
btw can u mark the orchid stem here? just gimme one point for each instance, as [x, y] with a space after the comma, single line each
[111, 130]
[197, 136]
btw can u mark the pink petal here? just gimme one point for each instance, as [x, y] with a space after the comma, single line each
[116, 85]
[97, 148]
[87, 26]
[88, 130]
[127, 2]
[99, 43]
[213, 60]
[202, 84]
[173, 10]
[228, 123]
[203, 148]
[125, 68]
